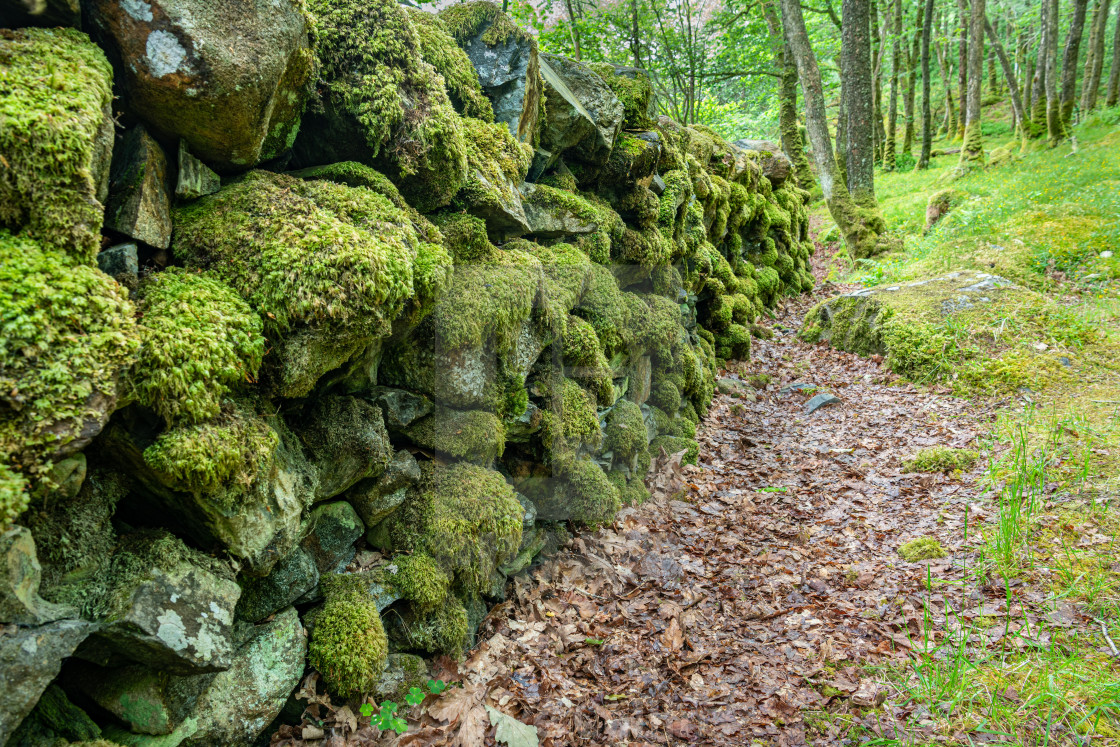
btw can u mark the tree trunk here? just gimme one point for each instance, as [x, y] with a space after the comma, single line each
[1008, 73]
[858, 95]
[1054, 128]
[792, 142]
[1094, 56]
[1038, 86]
[911, 84]
[963, 70]
[1114, 75]
[635, 35]
[972, 149]
[1069, 60]
[993, 78]
[927, 111]
[892, 109]
[842, 138]
[950, 98]
[574, 32]
[861, 226]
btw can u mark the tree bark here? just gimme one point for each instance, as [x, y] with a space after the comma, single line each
[927, 110]
[972, 149]
[1054, 129]
[573, 31]
[858, 95]
[962, 64]
[860, 226]
[1069, 60]
[911, 83]
[1094, 56]
[1114, 75]
[1008, 73]
[993, 79]
[892, 109]
[792, 142]
[1038, 85]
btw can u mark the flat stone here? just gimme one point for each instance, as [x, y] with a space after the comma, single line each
[819, 401]
[288, 580]
[140, 190]
[551, 221]
[195, 178]
[20, 575]
[775, 164]
[401, 407]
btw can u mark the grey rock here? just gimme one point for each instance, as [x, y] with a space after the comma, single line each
[231, 80]
[401, 408]
[288, 580]
[819, 401]
[195, 178]
[775, 164]
[30, 658]
[530, 517]
[140, 190]
[500, 206]
[796, 387]
[522, 428]
[121, 263]
[334, 528]
[583, 115]
[346, 440]
[375, 498]
[20, 575]
[169, 607]
[402, 672]
[509, 73]
[657, 185]
[18, 13]
[548, 221]
[306, 356]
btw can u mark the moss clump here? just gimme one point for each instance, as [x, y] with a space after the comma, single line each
[632, 86]
[56, 138]
[590, 497]
[941, 459]
[231, 449]
[607, 310]
[626, 430]
[421, 580]
[584, 359]
[304, 253]
[439, 50]
[466, 517]
[675, 444]
[348, 644]
[665, 395]
[496, 164]
[445, 629]
[66, 333]
[465, 237]
[370, 54]
[570, 419]
[13, 495]
[566, 270]
[923, 548]
[199, 338]
[474, 435]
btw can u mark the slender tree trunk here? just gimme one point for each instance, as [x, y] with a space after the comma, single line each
[858, 95]
[792, 142]
[993, 78]
[1069, 60]
[878, 135]
[1094, 58]
[1054, 129]
[1114, 74]
[927, 111]
[1008, 73]
[911, 83]
[861, 226]
[635, 35]
[950, 97]
[972, 149]
[892, 110]
[842, 138]
[963, 70]
[573, 31]
[1038, 86]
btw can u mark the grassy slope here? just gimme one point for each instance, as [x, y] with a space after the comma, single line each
[1042, 220]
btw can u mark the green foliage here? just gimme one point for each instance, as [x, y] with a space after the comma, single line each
[386, 718]
[56, 136]
[348, 644]
[439, 49]
[941, 459]
[923, 548]
[198, 338]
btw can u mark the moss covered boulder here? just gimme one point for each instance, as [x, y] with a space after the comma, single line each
[381, 104]
[635, 92]
[230, 80]
[56, 139]
[348, 643]
[439, 49]
[496, 166]
[583, 114]
[506, 63]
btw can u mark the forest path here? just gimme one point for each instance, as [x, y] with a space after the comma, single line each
[747, 599]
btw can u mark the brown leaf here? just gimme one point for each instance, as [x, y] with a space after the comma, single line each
[472, 730]
[673, 637]
[683, 729]
[455, 703]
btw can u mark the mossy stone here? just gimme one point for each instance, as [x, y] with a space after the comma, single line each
[348, 643]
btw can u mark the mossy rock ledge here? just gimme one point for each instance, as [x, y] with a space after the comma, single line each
[448, 302]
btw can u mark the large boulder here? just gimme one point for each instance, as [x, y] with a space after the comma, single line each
[505, 58]
[583, 114]
[57, 138]
[381, 104]
[168, 606]
[496, 165]
[29, 659]
[140, 190]
[634, 91]
[229, 79]
[775, 164]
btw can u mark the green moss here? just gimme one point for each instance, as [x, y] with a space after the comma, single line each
[370, 54]
[570, 419]
[232, 449]
[941, 459]
[591, 498]
[626, 430]
[474, 435]
[633, 89]
[66, 333]
[923, 548]
[13, 495]
[675, 444]
[353, 249]
[566, 270]
[348, 643]
[466, 517]
[465, 237]
[198, 339]
[465, 20]
[444, 629]
[440, 50]
[496, 164]
[421, 580]
[665, 395]
[56, 137]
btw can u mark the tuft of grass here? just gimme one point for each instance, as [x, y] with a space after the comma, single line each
[923, 548]
[941, 459]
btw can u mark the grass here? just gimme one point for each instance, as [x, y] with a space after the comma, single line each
[1052, 458]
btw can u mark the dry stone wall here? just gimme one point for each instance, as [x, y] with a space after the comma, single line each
[319, 321]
